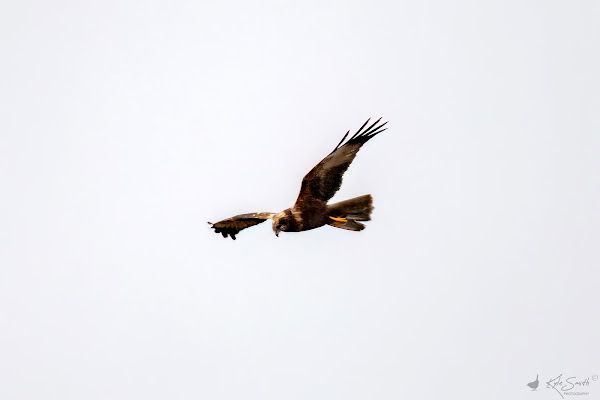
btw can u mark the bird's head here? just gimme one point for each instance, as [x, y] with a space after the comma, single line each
[281, 222]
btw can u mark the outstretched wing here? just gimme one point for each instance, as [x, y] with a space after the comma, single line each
[325, 178]
[232, 226]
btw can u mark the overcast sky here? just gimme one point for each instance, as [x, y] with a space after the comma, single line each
[126, 126]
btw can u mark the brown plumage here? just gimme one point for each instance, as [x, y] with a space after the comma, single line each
[231, 226]
[318, 186]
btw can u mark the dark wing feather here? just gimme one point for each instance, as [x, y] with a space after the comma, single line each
[325, 178]
[232, 226]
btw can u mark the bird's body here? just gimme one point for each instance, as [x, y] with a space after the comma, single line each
[534, 385]
[311, 209]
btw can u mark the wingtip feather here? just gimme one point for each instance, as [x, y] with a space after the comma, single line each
[366, 133]
[358, 131]
[341, 141]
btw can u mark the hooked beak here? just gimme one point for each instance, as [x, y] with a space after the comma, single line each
[276, 231]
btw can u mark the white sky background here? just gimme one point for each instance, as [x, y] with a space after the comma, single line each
[125, 126]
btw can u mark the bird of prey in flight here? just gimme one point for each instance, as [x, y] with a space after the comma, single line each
[318, 186]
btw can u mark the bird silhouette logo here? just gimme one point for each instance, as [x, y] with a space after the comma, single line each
[533, 385]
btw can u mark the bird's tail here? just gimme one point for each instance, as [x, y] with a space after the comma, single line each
[344, 214]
